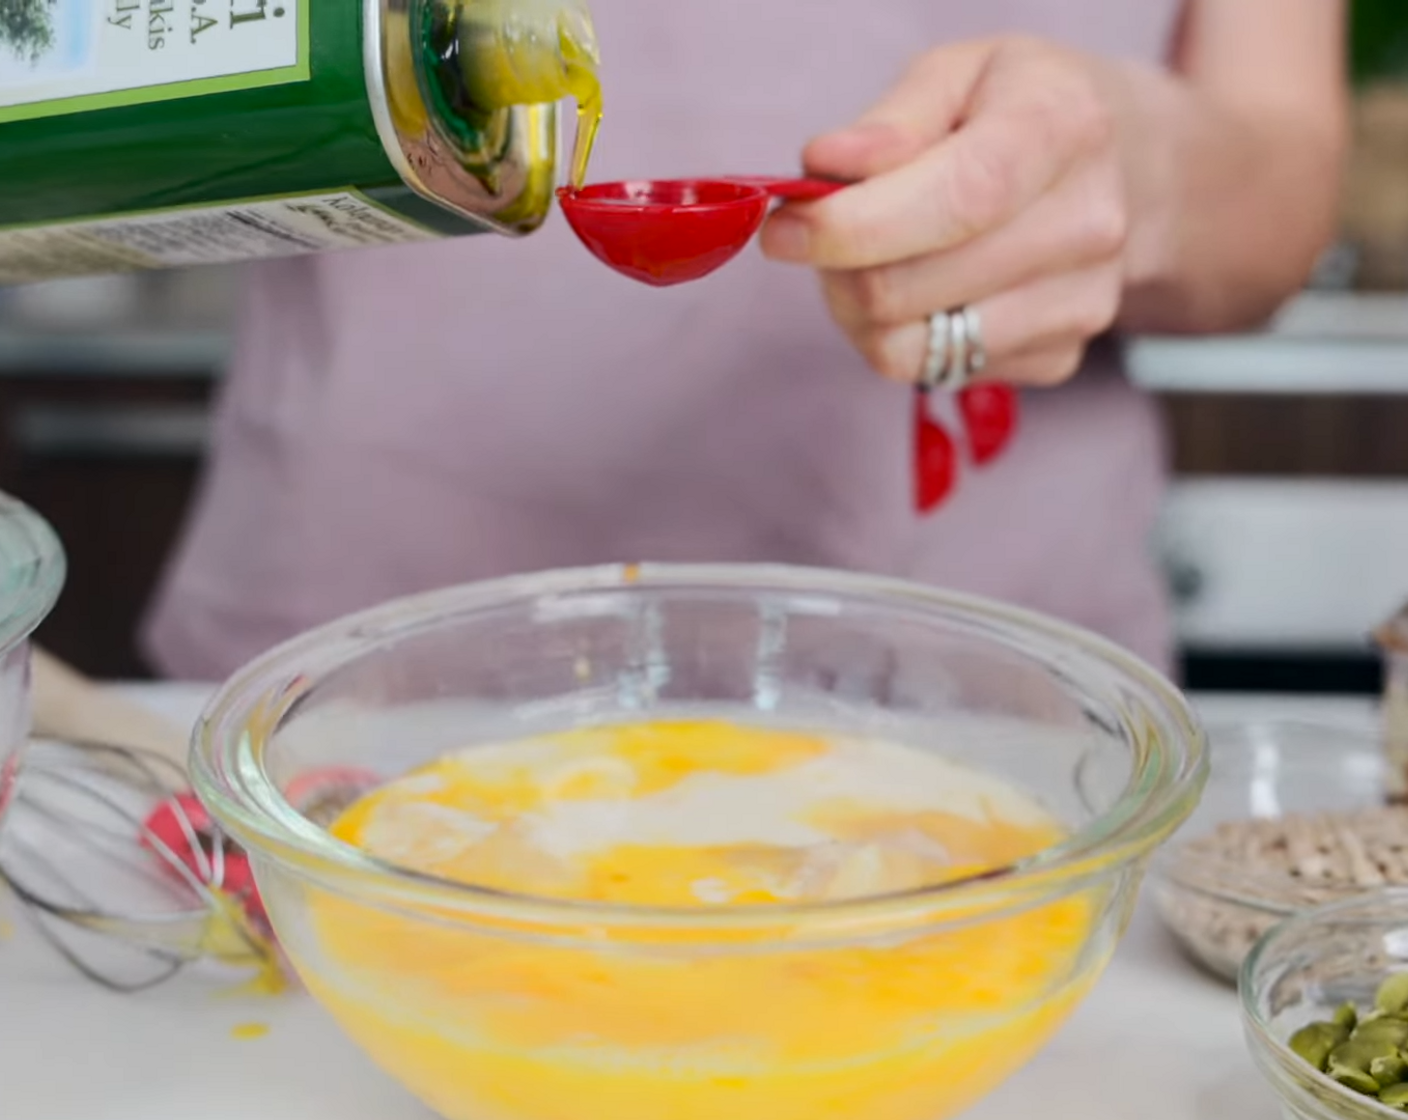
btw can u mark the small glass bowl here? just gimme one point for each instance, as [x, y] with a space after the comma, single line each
[491, 1005]
[1259, 769]
[32, 569]
[1304, 969]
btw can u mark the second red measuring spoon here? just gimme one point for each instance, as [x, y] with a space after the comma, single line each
[670, 231]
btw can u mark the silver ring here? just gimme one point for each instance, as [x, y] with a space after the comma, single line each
[936, 358]
[977, 352]
[957, 373]
[956, 350]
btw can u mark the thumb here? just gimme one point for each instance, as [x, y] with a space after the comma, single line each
[927, 104]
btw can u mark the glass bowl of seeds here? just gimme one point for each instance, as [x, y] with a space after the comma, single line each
[1294, 816]
[1325, 1008]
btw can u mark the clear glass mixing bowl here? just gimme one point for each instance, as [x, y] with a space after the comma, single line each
[32, 569]
[497, 1006]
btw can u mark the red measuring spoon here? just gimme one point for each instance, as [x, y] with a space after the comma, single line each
[670, 231]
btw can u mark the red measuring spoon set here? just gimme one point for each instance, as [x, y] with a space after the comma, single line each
[671, 231]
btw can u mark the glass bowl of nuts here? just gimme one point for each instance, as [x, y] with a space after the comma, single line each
[1293, 817]
[1325, 1008]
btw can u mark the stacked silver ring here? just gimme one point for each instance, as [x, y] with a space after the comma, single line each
[956, 350]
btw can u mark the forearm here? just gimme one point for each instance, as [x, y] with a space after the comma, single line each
[1230, 203]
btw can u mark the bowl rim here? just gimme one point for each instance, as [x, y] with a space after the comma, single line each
[32, 564]
[1159, 794]
[1272, 1054]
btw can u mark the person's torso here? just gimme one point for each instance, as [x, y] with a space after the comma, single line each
[401, 419]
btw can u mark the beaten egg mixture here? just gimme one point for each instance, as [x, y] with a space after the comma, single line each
[498, 1021]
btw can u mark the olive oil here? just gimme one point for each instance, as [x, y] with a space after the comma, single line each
[585, 88]
[495, 54]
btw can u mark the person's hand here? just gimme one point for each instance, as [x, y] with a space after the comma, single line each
[989, 178]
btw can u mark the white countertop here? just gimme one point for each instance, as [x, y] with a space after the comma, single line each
[1157, 1040]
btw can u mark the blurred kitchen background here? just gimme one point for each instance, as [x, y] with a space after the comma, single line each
[1285, 539]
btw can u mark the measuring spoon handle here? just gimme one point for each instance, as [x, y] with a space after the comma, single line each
[791, 190]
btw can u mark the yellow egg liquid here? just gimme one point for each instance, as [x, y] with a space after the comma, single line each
[502, 1019]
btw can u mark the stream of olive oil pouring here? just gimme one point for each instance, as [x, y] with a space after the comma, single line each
[161, 133]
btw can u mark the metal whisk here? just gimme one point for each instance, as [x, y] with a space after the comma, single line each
[130, 905]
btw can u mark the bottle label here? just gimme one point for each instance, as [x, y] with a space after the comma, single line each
[67, 56]
[194, 235]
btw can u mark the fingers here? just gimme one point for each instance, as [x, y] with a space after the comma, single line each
[1033, 335]
[1080, 224]
[1030, 116]
[923, 108]
[988, 178]
[1039, 333]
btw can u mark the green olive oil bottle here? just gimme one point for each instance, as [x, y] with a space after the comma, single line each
[139, 134]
